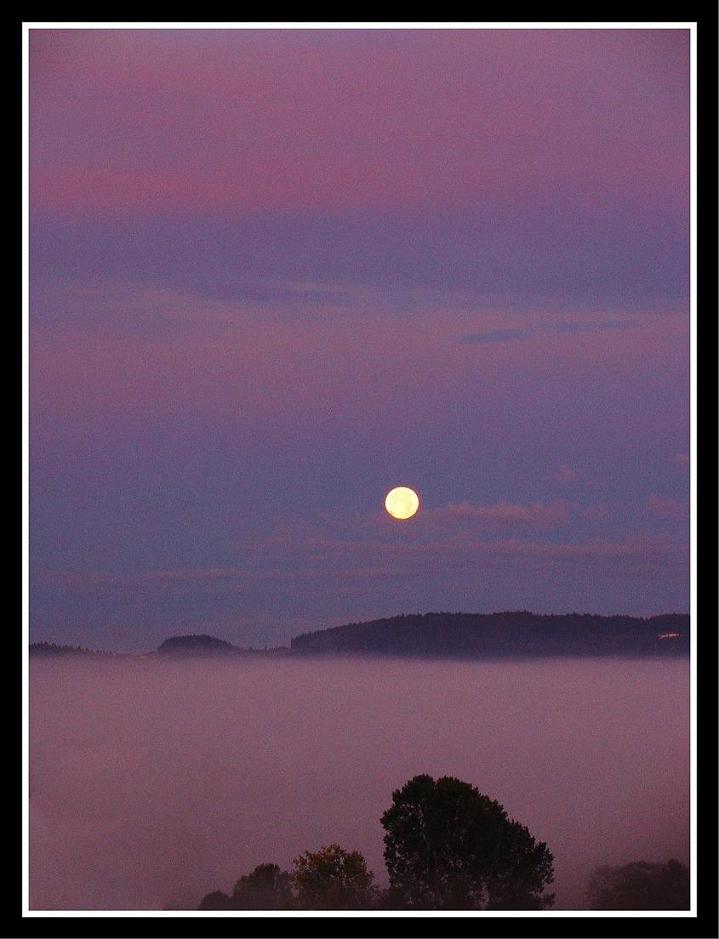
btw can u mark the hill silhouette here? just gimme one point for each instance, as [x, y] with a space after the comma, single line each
[501, 635]
[450, 635]
[198, 645]
[203, 644]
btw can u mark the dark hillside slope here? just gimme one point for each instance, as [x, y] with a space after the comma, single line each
[501, 635]
[198, 645]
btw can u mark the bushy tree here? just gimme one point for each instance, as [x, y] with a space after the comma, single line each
[217, 900]
[266, 888]
[333, 879]
[447, 846]
[640, 886]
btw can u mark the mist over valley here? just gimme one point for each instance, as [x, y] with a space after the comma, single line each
[155, 780]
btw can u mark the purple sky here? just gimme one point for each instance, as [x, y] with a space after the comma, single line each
[276, 273]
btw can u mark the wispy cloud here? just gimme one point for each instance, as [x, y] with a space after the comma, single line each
[667, 508]
[570, 476]
[568, 327]
[373, 101]
[497, 335]
[503, 514]
[567, 474]
[563, 328]
[134, 308]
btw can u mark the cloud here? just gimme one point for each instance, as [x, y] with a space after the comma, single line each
[563, 328]
[124, 308]
[503, 514]
[567, 475]
[124, 120]
[667, 508]
[597, 326]
[318, 562]
[497, 335]
[596, 513]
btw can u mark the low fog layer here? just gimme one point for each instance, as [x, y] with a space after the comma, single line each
[153, 782]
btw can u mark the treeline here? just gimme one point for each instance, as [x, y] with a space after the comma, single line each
[446, 847]
[51, 648]
[502, 635]
[640, 886]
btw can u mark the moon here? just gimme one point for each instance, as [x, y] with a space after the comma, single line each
[401, 502]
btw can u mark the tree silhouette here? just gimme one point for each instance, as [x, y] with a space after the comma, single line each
[217, 900]
[266, 888]
[333, 879]
[447, 846]
[640, 886]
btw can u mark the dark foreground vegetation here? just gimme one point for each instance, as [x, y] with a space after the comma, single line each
[640, 886]
[447, 847]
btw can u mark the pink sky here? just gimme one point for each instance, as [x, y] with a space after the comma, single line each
[276, 273]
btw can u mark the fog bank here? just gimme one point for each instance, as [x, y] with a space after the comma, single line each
[154, 782]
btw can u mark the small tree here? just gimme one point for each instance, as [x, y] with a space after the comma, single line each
[217, 900]
[447, 846]
[640, 886]
[333, 879]
[266, 888]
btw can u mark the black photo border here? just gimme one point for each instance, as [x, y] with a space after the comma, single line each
[705, 924]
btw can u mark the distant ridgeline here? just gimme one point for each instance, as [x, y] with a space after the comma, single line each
[50, 648]
[501, 635]
[452, 635]
[209, 645]
[199, 645]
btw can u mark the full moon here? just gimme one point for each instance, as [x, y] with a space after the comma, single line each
[401, 502]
